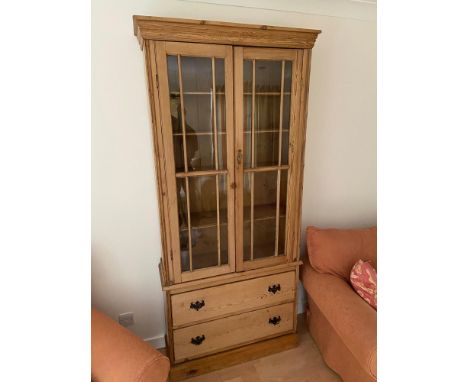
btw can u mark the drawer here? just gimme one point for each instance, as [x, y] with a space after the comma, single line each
[213, 302]
[214, 336]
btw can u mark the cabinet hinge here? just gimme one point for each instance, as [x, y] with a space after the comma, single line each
[171, 255]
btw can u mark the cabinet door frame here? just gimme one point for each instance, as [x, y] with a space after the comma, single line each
[295, 153]
[162, 50]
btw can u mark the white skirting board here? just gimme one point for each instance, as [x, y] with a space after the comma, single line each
[157, 342]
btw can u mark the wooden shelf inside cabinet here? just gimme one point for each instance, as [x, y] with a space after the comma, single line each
[229, 111]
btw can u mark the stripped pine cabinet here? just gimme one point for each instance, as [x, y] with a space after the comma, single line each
[229, 108]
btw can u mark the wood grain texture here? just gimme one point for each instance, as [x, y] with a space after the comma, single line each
[230, 156]
[301, 363]
[215, 32]
[155, 107]
[230, 278]
[239, 147]
[232, 357]
[305, 80]
[232, 331]
[167, 158]
[295, 133]
[232, 298]
[234, 294]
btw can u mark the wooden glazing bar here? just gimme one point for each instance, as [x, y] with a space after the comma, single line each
[267, 168]
[196, 93]
[259, 131]
[278, 178]
[199, 173]
[215, 128]
[268, 93]
[252, 164]
[184, 142]
[200, 133]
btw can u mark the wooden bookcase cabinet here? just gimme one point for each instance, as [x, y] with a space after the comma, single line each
[229, 109]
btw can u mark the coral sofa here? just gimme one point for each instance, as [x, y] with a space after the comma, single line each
[117, 355]
[343, 325]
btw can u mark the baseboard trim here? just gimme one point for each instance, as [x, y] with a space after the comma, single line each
[157, 342]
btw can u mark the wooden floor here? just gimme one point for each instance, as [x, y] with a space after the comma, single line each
[301, 364]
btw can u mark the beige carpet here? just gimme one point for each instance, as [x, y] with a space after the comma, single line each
[301, 364]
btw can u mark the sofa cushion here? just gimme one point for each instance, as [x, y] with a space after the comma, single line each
[353, 320]
[335, 251]
[363, 278]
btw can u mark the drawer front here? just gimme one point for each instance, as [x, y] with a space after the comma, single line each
[209, 303]
[210, 337]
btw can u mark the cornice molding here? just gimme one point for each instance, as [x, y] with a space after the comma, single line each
[217, 32]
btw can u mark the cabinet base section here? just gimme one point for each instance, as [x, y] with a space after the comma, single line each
[232, 357]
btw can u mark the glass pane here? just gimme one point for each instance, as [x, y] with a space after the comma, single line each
[224, 244]
[204, 247]
[247, 226]
[282, 209]
[266, 129]
[248, 64]
[183, 224]
[219, 74]
[247, 111]
[200, 152]
[203, 221]
[196, 74]
[267, 76]
[264, 238]
[198, 113]
[173, 73]
[287, 76]
[199, 102]
[266, 136]
[285, 129]
[265, 214]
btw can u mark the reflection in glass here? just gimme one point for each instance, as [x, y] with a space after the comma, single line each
[263, 90]
[267, 112]
[203, 223]
[196, 74]
[195, 133]
[282, 211]
[267, 76]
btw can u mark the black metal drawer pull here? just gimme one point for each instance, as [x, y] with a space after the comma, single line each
[274, 288]
[198, 340]
[275, 320]
[197, 305]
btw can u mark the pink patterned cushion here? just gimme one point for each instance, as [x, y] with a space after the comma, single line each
[363, 278]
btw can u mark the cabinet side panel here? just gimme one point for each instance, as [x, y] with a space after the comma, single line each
[159, 164]
[306, 61]
[292, 212]
[167, 157]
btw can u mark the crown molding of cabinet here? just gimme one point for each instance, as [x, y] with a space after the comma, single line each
[217, 32]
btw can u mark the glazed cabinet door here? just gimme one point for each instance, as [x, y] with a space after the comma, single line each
[196, 97]
[266, 118]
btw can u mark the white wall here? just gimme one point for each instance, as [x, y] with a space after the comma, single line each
[340, 170]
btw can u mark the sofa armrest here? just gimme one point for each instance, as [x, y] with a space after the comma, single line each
[118, 355]
[351, 317]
